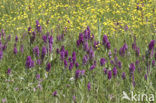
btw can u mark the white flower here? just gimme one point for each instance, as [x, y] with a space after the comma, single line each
[46, 75]
[72, 79]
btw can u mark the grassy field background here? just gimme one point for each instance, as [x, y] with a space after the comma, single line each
[61, 22]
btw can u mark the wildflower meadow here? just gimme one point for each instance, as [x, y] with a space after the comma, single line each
[77, 51]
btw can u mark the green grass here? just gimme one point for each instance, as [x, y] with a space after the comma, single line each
[21, 86]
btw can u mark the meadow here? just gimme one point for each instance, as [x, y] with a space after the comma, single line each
[77, 51]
